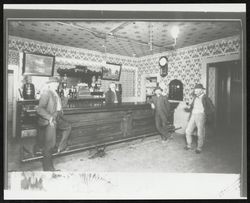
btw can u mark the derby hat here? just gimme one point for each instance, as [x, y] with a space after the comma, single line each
[199, 86]
[158, 88]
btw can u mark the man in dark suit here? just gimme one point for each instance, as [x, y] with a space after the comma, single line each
[162, 110]
[50, 118]
[112, 96]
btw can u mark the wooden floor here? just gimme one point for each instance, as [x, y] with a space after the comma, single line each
[221, 154]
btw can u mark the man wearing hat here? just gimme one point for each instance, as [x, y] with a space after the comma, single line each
[50, 118]
[162, 110]
[202, 111]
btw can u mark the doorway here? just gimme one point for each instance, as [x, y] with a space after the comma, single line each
[228, 95]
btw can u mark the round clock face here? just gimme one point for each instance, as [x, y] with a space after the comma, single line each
[163, 61]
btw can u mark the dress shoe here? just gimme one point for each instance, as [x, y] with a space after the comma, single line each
[55, 150]
[48, 167]
[187, 148]
[197, 151]
[171, 137]
[168, 140]
[37, 151]
[51, 169]
[63, 149]
[47, 163]
[164, 138]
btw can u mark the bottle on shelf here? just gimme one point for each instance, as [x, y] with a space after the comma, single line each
[61, 93]
[37, 95]
[74, 92]
[70, 93]
[65, 78]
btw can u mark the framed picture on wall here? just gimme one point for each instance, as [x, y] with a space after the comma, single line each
[38, 64]
[111, 71]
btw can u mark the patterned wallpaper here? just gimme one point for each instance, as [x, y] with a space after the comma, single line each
[211, 83]
[67, 57]
[185, 64]
[13, 57]
[23, 44]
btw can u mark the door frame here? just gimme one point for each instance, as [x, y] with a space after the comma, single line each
[14, 68]
[206, 61]
[143, 87]
[10, 71]
[205, 67]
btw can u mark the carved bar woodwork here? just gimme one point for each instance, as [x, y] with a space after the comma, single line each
[101, 125]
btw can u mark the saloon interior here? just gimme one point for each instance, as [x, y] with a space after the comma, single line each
[124, 138]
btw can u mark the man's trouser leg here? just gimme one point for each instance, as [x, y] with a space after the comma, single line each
[49, 144]
[64, 140]
[189, 130]
[65, 129]
[165, 127]
[39, 140]
[200, 122]
[160, 126]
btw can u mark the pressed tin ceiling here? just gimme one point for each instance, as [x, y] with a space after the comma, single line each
[127, 38]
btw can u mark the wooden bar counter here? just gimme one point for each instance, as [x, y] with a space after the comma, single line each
[100, 125]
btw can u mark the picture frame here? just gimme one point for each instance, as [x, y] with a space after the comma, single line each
[38, 64]
[111, 71]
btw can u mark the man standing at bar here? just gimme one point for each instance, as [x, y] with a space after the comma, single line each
[50, 118]
[162, 110]
[202, 111]
[111, 95]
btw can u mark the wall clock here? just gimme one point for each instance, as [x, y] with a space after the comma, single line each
[163, 63]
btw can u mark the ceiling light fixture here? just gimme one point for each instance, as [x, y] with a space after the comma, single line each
[175, 32]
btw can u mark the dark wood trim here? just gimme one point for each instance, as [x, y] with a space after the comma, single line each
[97, 126]
[216, 94]
[106, 108]
[244, 161]
[207, 85]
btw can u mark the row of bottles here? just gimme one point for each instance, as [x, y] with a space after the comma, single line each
[67, 92]
[95, 85]
[28, 89]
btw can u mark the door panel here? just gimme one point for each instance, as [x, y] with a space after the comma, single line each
[229, 93]
[10, 94]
